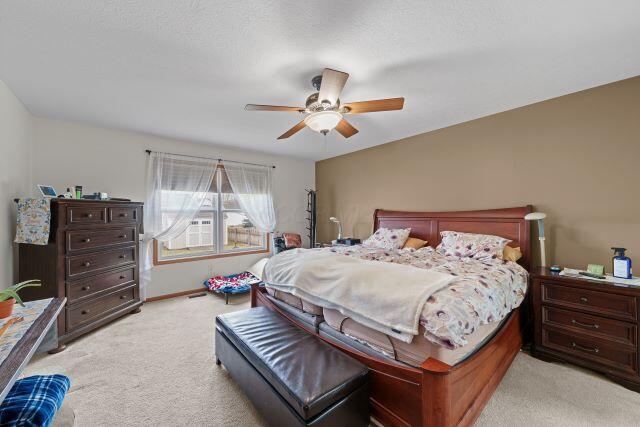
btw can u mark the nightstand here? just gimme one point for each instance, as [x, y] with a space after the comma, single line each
[587, 323]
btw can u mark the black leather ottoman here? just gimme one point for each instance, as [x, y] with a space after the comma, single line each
[292, 377]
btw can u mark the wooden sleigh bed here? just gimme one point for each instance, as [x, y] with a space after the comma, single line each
[436, 394]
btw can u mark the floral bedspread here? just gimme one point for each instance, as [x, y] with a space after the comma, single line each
[484, 292]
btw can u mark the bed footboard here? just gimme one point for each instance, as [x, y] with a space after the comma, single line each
[435, 394]
[455, 396]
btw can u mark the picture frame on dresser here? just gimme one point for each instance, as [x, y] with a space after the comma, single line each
[92, 259]
[588, 323]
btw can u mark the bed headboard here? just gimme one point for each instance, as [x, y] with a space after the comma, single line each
[508, 223]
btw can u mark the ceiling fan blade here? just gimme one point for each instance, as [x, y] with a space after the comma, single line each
[258, 107]
[345, 128]
[333, 82]
[373, 106]
[293, 130]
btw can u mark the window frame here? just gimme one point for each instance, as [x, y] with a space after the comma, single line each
[218, 219]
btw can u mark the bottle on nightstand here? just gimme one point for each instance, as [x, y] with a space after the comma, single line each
[621, 264]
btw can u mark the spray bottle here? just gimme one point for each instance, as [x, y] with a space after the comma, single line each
[621, 264]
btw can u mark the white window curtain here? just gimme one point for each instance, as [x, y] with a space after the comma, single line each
[253, 188]
[179, 184]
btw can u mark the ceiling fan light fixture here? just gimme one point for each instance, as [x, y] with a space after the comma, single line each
[323, 121]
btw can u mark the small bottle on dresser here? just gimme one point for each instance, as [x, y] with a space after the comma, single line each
[621, 264]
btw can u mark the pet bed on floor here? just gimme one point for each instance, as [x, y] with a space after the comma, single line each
[232, 284]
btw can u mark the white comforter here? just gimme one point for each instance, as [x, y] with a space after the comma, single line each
[361, 289]
[482, 293]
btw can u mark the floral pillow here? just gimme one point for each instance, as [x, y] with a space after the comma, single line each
[469, 245]
[388, 238]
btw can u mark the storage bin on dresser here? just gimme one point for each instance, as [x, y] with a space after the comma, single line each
[91, 259]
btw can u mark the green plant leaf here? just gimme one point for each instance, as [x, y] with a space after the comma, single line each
[25, 284]
[10, 293]
[19, 300]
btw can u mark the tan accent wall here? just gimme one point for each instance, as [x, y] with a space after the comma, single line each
[576, 157]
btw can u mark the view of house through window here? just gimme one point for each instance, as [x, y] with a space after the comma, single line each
[220, 226]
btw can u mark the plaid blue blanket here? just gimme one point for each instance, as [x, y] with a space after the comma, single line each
[34, 401]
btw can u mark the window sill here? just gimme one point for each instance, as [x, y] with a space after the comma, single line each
[157, 261]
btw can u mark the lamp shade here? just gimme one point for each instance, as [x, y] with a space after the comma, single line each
[337, 221]
[539, 217]
[534, 216]
[323, 121]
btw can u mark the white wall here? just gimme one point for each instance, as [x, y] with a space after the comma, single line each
[100, 159]
[16, 141]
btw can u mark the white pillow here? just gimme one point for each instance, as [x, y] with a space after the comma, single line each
[388, 238]
[470, 245]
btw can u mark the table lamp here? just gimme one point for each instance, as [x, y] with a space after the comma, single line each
[334, 219]
[539, 216]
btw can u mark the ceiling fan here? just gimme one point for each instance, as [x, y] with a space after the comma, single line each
[324, 108]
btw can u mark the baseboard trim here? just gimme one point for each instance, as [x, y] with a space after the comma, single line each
[175, 295]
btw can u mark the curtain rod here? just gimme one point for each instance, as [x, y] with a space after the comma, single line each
[210, 158]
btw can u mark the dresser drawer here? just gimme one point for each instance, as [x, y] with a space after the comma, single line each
[615, 330]
[608, 304]
[86, 288]
[97, 308]
[124, 214]
[574, 344]
[81, 265]
[78, 240]
[86, 215]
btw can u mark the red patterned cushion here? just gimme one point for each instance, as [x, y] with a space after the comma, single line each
[292, 240]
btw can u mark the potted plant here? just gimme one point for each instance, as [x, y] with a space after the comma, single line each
[9, 296]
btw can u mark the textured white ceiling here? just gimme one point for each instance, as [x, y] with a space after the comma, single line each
[186, 68]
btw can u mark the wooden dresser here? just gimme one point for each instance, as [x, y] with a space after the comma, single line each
[588, 323]
[91, 259]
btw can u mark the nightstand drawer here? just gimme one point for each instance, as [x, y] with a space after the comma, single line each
[608, 304]
[616, 330]
[599, 351]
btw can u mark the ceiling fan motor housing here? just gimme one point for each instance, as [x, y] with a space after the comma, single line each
[316, 82]
[313, 104]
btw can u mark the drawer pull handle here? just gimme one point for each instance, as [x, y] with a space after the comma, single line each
[86, 288]
[588, 350]
[123, 256]
[86, 263]
[87, 240]
[585, 325]
[584, 299]
[121, 277]
[123, 296]
[124, 215]
[123, 236]
[85, 312]
[89, 215]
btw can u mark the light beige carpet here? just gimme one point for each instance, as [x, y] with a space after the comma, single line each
[157, 368]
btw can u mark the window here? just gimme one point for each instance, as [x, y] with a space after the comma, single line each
[221, 228]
